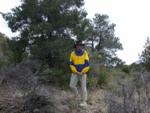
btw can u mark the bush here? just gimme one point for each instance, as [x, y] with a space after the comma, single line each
[54, 76]
[54, 53]
[98, 75]
[116, 78]
[126, 69]
[102, 77]
[6, 54]
[92, 81]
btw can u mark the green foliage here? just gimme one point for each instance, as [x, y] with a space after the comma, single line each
[18, 47]
[136, 67]
[98, 76]
[106, 77]
[54, 53]
[46, 18]
[102, 77]
[82, 30]
[124, 68]
[116, 79]
[102, 32]
[54, 76]
[46, 29]
[118, 72]
[92, 82]
[105, 33]
[6, 55]
[145, 56]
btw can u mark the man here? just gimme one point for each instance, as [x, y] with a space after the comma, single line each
[79, 64]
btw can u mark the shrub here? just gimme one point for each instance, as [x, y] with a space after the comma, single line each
[116, 78]
[6, 54]
[98, 75]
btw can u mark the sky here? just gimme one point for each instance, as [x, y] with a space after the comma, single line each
[6, 6]
[132, 19]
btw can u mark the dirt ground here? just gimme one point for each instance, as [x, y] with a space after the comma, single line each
[21, 91]
[56, 101]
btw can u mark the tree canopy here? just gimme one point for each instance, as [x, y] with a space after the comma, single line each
[145, 55]
[102, 32]
[43, 21]
[6, 55]
[44, 24]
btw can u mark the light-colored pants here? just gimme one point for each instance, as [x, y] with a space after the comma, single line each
[73, 84]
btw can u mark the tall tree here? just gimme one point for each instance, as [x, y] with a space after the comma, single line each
[41, 22]
[82, 30]
[105, 33]
[145, 55]
[102, 33]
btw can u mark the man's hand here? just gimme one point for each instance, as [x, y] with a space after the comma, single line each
[79, 73]
[83, 73]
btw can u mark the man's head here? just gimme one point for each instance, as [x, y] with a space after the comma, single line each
[78, 45]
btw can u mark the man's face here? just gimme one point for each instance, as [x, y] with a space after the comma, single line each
[78, 47]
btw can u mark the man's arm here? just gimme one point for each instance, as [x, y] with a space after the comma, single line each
[72, 66]
[86, 65]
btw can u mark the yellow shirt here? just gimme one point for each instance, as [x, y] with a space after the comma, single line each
[79, 62]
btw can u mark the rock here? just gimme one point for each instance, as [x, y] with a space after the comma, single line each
[36, 110]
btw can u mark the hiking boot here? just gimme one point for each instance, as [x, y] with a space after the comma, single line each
[83, 104]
